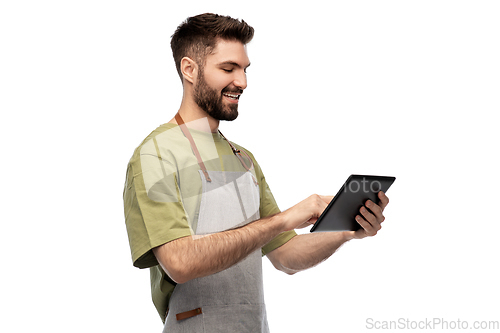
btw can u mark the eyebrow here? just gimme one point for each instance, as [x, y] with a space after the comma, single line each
[232, 63]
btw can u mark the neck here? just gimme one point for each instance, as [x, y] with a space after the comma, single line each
[196, 118]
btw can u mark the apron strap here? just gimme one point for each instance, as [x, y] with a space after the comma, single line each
[188, 135]
[236, 152]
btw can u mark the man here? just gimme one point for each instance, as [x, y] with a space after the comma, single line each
[198, 209]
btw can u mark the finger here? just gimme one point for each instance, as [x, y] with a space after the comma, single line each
[326, 198]
[367, 227]
[369, 217]
[322, 202]
[316, 205]
[384, 200]
[376, 210]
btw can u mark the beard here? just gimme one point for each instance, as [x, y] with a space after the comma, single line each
[210, 100]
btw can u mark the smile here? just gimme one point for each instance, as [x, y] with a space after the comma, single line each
[232, 96]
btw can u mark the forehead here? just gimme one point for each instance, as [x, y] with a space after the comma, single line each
[228, 51]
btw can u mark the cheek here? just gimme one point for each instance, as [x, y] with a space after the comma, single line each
[218, 82]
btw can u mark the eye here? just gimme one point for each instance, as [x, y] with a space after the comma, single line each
[227, 70]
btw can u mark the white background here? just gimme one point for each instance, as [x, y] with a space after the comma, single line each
[402, 88]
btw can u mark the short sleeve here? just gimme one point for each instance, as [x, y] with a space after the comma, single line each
[278, 241]
[154, 216]
[268, 207]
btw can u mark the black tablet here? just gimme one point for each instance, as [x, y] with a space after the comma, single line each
[341, 212]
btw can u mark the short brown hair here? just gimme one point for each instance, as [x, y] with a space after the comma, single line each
[197, 36]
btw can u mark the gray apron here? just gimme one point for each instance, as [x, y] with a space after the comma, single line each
[232, 300]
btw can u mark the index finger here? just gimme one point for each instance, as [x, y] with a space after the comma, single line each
[384, 200]
[326, 198]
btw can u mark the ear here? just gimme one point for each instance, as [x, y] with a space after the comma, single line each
[189, 69]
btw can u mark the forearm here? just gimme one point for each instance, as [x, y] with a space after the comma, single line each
[197, 256]
[306, 251]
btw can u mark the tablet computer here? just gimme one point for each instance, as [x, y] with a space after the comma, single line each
[340, 214]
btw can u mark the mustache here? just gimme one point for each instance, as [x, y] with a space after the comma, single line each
[232, 90]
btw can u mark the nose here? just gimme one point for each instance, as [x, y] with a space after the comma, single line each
[240, 81]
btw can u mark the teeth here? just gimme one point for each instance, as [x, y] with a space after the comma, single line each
[231, 95]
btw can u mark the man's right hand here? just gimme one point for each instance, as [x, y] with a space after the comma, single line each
[305, 212]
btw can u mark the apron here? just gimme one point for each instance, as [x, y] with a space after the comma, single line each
[231, 300]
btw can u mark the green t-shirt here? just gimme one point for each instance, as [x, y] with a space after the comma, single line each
[163, 189]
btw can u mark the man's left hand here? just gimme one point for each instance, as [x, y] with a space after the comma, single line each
[371, 217]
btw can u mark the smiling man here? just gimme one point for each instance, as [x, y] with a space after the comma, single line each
[198, 210]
